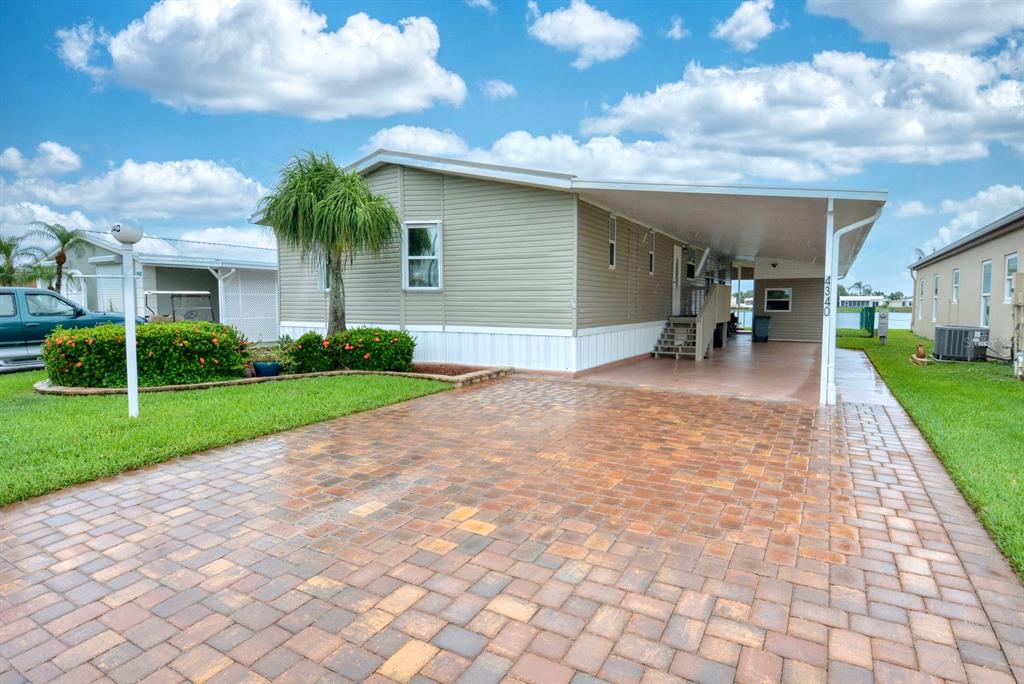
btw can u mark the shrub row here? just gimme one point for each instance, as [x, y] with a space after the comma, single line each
[371, 349]
[168, 354]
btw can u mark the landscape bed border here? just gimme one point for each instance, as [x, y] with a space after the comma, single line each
[471, 378]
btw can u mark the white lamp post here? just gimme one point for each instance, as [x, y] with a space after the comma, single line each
[128, 236]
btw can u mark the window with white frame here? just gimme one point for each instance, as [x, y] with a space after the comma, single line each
[650, 253]
[421, 255]
[1011, 270]
[325, 276]
[920, 300]
[935, 298]
[956, 284]
[986, 290]
[691, 263]
[612, 230]
[778, 299]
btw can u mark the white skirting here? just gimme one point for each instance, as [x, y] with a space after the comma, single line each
[526, 348]
[598, 346]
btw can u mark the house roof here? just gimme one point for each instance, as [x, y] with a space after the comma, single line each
[744, 221]
[161, 251]
[1011, 221]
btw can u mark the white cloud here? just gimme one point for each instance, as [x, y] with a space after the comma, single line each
[497, 89]
[748, 25]
[483, 4]
[597, 157]
[418, 139]
[21, 215]
[975, 212]
[677, 32]
[137, 190]
[913, 209]
[593, 34]
[78, 46]
[832, 115]
[51, 159]
[229, 235]
[249, 56]
[962, 25]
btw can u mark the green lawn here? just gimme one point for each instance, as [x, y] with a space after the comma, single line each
[973, 416]
[49, 442]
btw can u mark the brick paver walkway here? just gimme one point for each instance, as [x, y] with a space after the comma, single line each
[530, 530]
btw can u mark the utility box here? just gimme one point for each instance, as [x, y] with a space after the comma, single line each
[883, 325]
[960, 343]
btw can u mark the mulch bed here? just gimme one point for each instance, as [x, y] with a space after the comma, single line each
[444, 368]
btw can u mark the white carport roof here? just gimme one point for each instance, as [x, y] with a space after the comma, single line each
[744, 222]
[160, 251]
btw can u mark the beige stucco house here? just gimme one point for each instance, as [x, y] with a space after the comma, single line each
[971, 282]
[547, 271]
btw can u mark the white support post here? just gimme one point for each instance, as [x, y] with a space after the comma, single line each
[128, 295]
[828, 312]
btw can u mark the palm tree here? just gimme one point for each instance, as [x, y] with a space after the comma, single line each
[67, 239]
[13, 255]
[329, 216]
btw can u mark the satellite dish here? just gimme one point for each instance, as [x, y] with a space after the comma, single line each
[919, 252]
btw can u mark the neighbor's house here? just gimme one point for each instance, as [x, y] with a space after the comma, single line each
[547, 271]
[861, 301]
[241, 281]
[971, 282]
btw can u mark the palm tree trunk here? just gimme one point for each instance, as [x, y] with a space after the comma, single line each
[336, 316]
[60, 259]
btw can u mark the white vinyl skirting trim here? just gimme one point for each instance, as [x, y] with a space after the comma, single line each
[526, 348]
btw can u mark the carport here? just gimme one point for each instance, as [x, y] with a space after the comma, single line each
[782, 233]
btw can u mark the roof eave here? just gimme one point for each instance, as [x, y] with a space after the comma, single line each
[977, 237]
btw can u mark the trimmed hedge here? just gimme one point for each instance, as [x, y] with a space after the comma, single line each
[168, 354]
[308, 354]
[372, 349]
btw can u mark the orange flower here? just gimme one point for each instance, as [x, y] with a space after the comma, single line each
[327, 343]
[215, 341]
[376, 339]
[88, 340]
[78, 365]
[202, 360]
[366, 355]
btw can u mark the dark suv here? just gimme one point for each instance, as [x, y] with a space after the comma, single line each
[28, 315]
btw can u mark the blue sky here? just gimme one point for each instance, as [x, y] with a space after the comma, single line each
[177, 116]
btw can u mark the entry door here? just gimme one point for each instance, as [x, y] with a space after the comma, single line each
[677, 279]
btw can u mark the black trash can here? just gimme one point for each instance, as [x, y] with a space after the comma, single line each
[761, 326]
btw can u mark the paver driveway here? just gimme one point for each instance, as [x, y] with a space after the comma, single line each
[534, 530]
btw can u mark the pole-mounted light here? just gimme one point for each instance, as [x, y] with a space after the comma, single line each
[128, 236]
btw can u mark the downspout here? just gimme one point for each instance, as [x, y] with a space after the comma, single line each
[828, 389]
[220, 290]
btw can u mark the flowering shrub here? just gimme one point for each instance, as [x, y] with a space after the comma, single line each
[374, 349]
[311, 353]
[168, 354]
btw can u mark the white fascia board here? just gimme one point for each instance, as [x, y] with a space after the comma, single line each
[744, 190]
[507, 174]
[105, 259]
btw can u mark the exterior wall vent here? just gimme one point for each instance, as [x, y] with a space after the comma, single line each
[960, 343]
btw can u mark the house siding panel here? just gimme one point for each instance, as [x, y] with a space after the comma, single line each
[508, 254]
[299, 288]
[627, 293]
[373, 284]
[803, 323]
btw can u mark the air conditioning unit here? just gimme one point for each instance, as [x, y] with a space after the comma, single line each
[960, 343]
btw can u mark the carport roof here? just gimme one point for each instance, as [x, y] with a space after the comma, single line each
[742, 221]
[161, 251]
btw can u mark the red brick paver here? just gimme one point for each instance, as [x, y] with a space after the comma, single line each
[531, 530]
